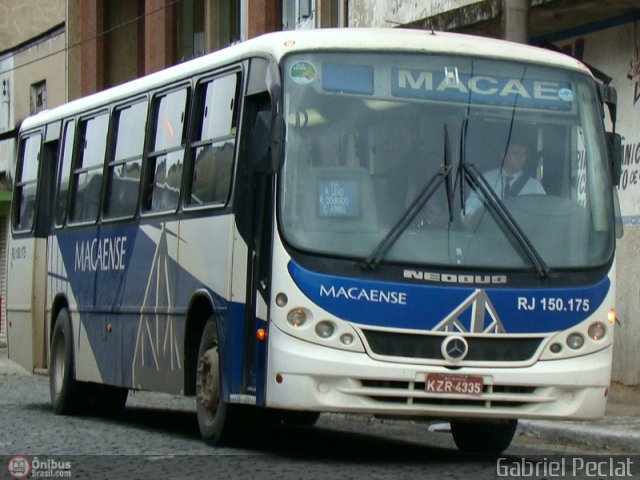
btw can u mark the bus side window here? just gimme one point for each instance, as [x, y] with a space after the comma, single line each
[214, 142]
[87, 174]
[65, 170]
[26, 185]
[164, 171]
[124, 169]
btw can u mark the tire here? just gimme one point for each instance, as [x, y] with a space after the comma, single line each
[66, 392]
[216, 418]
[484, 437]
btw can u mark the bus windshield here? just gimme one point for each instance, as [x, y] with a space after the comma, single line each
[445, 161]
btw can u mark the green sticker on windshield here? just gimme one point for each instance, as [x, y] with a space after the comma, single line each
[303, 73]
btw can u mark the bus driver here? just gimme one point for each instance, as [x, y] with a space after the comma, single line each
[509, 180]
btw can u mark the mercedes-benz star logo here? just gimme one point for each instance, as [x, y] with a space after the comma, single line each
[454, 348]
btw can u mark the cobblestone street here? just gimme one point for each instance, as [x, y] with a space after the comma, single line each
[157, 435]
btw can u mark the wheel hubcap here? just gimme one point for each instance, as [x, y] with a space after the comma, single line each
[207, 381]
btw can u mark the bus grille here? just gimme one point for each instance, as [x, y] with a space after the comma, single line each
[414, 395]
[428, 347]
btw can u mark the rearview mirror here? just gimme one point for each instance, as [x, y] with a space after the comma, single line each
[266, 142]
[614, 148]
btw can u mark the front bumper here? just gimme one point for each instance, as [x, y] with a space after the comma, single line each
[312, 377]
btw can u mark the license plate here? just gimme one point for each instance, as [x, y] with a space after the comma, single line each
[455, 384]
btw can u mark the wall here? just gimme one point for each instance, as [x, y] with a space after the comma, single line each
[41, 61]
[390, 13]
[74, 37]
[24, 19]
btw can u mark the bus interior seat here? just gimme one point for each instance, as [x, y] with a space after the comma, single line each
[88, 199]
[212, 174]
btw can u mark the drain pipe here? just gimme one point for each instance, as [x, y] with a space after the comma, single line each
[515, 20]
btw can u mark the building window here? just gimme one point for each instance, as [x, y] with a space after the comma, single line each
[190, 21]
[226, 29]
[305, 14]
[38, 97]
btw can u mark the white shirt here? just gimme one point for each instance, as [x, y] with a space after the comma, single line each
[497, 179]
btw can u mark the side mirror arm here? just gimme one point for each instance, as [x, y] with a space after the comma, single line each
[614, 150]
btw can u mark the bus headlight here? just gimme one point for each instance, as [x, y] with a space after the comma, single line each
[597, 331]
[297, 317]
[575, 341]
[325, 329]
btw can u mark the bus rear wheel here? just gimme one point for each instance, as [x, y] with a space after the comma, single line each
[65, 391]
[215, 416]
[484, 437]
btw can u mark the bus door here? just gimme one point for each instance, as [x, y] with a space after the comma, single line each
[27, 252]
[254, 206]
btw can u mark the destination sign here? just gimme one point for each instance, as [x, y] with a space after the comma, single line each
[338, 198]
[454, 86]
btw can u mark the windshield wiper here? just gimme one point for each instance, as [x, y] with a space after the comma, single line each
[372, 261]
[479, 183]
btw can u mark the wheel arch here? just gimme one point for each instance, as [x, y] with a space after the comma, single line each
[200, 308]
[59, 302]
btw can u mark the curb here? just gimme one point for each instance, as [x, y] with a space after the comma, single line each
[599, 436]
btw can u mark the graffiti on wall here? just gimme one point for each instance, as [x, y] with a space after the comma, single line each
[631, 164]
[634, 75]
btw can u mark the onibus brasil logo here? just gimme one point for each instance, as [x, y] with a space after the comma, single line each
[21, 467]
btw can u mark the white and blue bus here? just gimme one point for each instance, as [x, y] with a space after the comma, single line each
[326, 221]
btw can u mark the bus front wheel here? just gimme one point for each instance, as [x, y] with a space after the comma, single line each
[65, 390]
[215, 416]
[485, 437]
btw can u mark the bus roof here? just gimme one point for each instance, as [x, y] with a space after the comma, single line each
[278, 44]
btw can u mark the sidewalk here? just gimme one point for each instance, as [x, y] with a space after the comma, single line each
[617, 432]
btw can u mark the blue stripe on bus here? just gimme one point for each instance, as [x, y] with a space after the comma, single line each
[140, 282]
[426, 307]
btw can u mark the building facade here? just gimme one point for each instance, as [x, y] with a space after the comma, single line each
[32, 49]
